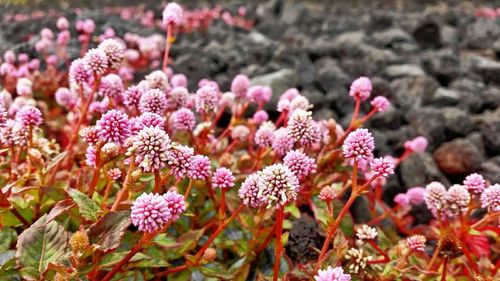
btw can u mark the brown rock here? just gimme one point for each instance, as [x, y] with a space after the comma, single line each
[458, 157]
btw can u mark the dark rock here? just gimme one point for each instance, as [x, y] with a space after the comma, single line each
[489, 70]
[420, 214]
[378, 21]
[392, 38]
[428, 122]
[491, 97]
[360, 210]
[292, 13]
[491, 169]
[458, 157]
[481, 33]
[330, 75]
[420, 169]
[411, 92]
[489, 126]
[457, 122]
[404, 70]
[428, 35]
[304, 238]
[470, 93]
[444, 65]
[449, 36]
[445, 97]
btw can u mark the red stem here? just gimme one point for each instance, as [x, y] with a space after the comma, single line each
[167, 48]
[188, 190]
[279, 243]
[445, 266]
[385, 258]
[157, 181]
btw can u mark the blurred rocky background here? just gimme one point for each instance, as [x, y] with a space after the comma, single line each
[436, 61]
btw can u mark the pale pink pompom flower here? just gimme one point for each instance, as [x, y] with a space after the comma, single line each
[29, 116]
[223, 178]
[278, 185]
[183, 120]
[249, 191]
[115, 174]
[361, 88]
[359, 145]
[176, 204]
[327, 194]
[490, 198]
[199, 167]
[172, 14]
[416, 195]
[418, 144]
[153, 100]
[113, 126]
[380, 103]
[150, 212]
[332, 274]
[382, 167]
[260, 117]
[299, 163]
[240, 85]
[416, 243]
[150, 147]
[96, 60]
[179, 160]
[475, 183]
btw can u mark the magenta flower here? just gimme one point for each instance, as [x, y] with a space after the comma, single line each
[206, 98]
[223, 178]
[113, 126]
[177, 98]
[382, 167]
[176, 204]
[416, 243]
[380, 103]
[179, 159]
[90, 156]
[80, 73]
[300, 164]
[260, 117]
[199, 167]
[249, 191]
[278, 185]
[131, 96]
[172, 14]
[418, 144]
[490, 199]
[282, 142]
[153, 100]
[114, 50]
[150, 212]
[402, 199]
[332, 274]
[14, 133]
[183, 120]
[416, 195]
[150, 147]
[96, 60]
[327, 194]
[149, 119]
[302, 128]
[359, 145]
[115, 174]
[66, 98]
[240, 85]
[111, 86]
[179, 80]
[475, 183]
[3, 115]
[264, 136]
[260, 94]
[90, 135]
[29, 116]
[361, 88]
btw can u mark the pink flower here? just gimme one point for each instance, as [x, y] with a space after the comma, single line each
[62, 23]
[29, 116]
[290, 94]
[179, 160]
[113, 126]
[172, 14]
[90, 156]
[361, 88]
[14, 133]
[150, 148]
[177, 98]
[359, 145]
[418, 144]
[80, 73]
[131, 96]
[3, 115]
[278, 185]
[96, 60]
[66, 98]
[416, 195]
[199, 167]
[260, 117]
[88, 26]
[240, 133]
[150, 212]
[402, 199]
[63, 37]
[458, 199]
[24, 87]
[282, 142]
[260, 94]
[223, 178]
[416, 243]
[111, 86]
[475, 183]
[436, 198]
[176, 204]
[154, 101]
[382, 167]
[207, 98]
[302, 128]
[149, 119]
[332, 274]
[9, 57]
[114, 50]
[490, 199]
[183, 120]
[115, 174]
[179, 80]
[264, 136]
[300, 164]
[240, 85]
[380, 103]
[90, 135]
[327, 194]
[157, 80]
[249, 191]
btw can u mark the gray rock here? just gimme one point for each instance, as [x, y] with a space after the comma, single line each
[445, 97]
[420, 169]
[481, 33]
[411, 92]
[444, 65]
[449, 36]
[489, 126]
[330, 75]
[404, 70]
[391, 38]
[427, 35]
[428, 122]
[458, 157]
[279, 81]
[470, 93]
[491, 169]
[489, 70]
[292, 13]
[457, 122]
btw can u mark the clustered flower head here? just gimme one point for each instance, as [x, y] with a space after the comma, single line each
[332, 274]
[240, 85]
[96, 60]
[179, 159]
[300, 164]
[302, 128]
[223, 178]
[475, 183]
[416, 243]
[264, 136]
[358, 259]
[206, 98]
[418, 144]
[115, 174]
[458, 199]
[114, 50]
[249, 191]
[113, 126]
[380, 103]
[359, 145]
[154, 101]
[327, 193]
[278, 185]
[282, 142]
[436, 198]
[490, 199]
[111, 86]
[65, 97]
[366, 233]
[176, 204]
[172, 14]
[199, 167]
[381, 167]
[29, 116]
[150, 148]
[361, 88]
[150, 212]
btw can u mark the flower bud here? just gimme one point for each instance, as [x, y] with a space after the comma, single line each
[210, 254]
[79, 241]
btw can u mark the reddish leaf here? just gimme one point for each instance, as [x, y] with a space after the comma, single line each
[109, 230]
[59, 208]
[478, 244]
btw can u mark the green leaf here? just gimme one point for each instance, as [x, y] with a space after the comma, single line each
[109, 230]
[55, 161]
[215, 269]
[7, 235]
[293, 210]
[40, 245]
[185, 243]
[59, 208]
[88, 208]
